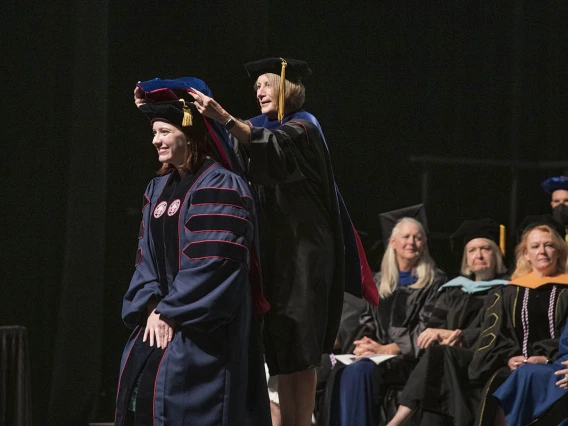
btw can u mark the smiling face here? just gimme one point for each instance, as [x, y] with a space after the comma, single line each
[408, 243]
[170, 142]
[541, 253]
[479, 256]
[266, 96]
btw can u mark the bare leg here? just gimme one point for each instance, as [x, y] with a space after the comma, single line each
[402, 415]
[275, 414]
[500, 419]
[297, 393]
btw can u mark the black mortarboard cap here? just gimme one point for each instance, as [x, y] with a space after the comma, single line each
[295, 69]
[180, 113]
[481, 228]
[532, 221]
[390, 219]
[555, 183]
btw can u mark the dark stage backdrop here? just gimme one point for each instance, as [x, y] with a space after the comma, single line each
[392, 80]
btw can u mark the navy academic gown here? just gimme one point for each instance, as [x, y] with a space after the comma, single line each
[193, 259]
[531, 389]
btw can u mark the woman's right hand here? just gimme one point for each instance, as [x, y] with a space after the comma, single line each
[139, 96]
[516, 361]
[162, 330]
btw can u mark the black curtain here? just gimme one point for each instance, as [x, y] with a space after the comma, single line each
[15, 381]
[391, 79]
[76, 379]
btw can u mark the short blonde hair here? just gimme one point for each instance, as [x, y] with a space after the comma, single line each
[524, 267]
[499, 267]
[295, 92]
[424, 269]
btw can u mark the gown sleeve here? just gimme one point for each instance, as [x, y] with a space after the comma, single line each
[497, 342]
[408, 342]
[283, 155]
[471, 333]
[213, 279]
[440, 311]
[145, 284]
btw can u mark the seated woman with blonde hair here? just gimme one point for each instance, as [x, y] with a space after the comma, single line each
[408, 287]
[533, 391]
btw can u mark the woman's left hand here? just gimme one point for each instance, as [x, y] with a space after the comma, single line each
[563, 383]
[160, 329]
[516, 361]
[209, 107]
[537, 360]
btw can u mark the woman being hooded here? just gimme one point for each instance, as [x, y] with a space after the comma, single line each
[302, 244]
[189, 301]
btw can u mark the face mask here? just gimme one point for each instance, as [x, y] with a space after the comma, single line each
[560, 213]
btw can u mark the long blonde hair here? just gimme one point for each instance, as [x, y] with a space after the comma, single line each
[524, 267]
[499, 267]
[424, 269]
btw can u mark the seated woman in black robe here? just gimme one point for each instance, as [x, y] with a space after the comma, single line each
[522, 322]
[408, 286]
[457, 316]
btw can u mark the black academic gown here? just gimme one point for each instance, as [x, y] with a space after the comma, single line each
[401, 317]
[302, 243]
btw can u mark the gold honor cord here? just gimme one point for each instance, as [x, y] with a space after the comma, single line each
[281, 94]
[502, 239]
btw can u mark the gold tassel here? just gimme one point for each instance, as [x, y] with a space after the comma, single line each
[566, 238]
[502, 239]
[187, 116]
[281, 96]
